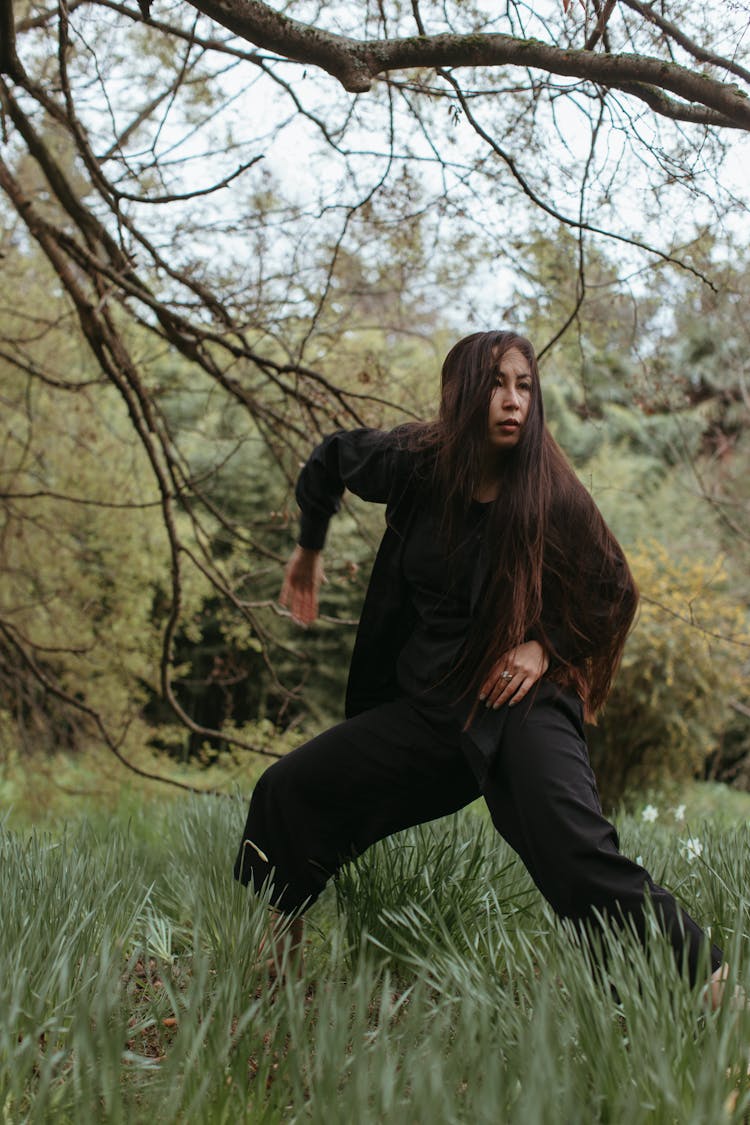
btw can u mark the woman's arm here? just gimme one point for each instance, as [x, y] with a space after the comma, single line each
[364, 461]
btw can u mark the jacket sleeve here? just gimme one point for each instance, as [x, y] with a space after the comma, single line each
[365, 461]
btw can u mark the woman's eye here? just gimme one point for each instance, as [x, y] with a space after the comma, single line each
[524, 385]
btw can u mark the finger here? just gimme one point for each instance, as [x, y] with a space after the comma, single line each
[521, 691]
[311, 603]
[503, 690]
[504, 686]
[303, 608]
[488, 688]
[297, 614]
[289, 596]
[495, 680]
[293, 599]
[503, 698]
[309, 607]
[289, 599]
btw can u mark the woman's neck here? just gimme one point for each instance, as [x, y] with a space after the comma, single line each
[487, 490]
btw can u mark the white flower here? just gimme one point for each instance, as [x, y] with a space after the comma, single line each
[679, 812]
[650, 813]
[692, 848]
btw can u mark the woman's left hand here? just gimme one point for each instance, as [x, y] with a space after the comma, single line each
[513, 675]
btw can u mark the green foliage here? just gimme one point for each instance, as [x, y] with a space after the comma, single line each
[78, 573]
[641, 497]
[680, 671]
[131, 986]
[646, 394]
[430, 870]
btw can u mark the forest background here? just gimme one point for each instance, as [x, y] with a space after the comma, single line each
[219, 242]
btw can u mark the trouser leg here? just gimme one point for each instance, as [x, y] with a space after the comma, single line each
[333, 797]
[542, 797]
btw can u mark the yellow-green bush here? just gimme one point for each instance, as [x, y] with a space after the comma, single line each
[682, 666]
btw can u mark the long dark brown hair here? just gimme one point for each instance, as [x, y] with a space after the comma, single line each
[557, 573]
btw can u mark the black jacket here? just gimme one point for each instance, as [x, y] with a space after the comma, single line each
[376, 466]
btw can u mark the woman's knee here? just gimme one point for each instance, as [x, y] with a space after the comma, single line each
[275, 788]
[271, 849]
[269, 804]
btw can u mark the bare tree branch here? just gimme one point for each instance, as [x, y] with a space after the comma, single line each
[85, 501]
[356, 62]
[737, 641]
[183, 196]
[566, 220]
[115, 362]
[9, 61]
[672, 31]
[603, 12]
[33, 369]
[667, 107]
[45, 18]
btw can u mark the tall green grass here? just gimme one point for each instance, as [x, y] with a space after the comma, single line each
[438, 986]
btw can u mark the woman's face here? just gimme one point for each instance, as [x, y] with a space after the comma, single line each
[510, 400]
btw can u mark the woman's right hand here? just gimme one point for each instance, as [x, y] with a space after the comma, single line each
[302, 580]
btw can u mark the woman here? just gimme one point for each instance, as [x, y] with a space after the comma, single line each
[495, 618]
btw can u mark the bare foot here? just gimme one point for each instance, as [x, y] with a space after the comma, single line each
[716, 992]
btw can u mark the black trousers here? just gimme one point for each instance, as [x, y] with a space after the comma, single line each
[400, 764]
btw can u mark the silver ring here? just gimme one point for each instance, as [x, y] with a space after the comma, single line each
[506, 675]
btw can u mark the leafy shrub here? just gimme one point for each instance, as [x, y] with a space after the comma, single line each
[731, 761]
[670, 701]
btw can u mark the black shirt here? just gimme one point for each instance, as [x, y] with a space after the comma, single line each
[439, 588]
